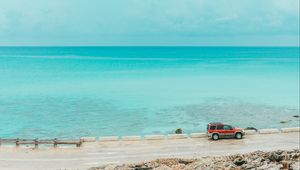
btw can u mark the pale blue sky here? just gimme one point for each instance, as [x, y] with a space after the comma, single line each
[149, 22]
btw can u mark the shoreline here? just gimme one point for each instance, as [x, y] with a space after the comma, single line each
[96, 154]
[78, 142]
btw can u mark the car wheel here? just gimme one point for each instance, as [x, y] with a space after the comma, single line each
[215, 136]
[238, 136]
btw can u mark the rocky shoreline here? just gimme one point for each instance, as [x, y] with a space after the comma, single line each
[280, 159]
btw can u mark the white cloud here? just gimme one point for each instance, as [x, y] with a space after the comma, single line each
[119, 20]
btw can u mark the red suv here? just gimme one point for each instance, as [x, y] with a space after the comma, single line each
[218, 130]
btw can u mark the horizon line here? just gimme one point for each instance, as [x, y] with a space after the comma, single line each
[150, 46]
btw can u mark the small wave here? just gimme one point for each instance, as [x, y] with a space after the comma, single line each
[106, 58]
[252, 59]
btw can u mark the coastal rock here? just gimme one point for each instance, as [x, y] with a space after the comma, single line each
[163, 167]
[227, 164]
[185, 161]
[279, 152]
[141, 167]
[200, 164]
[251, 128]
[178, 167]
[239, 162]
[111, 167]
[284, 121]
[275, 157]
[249, 166]
[271, 166]
[257, 162]
[295, 155]
[285, 164]
[295, 166]
[251, 161]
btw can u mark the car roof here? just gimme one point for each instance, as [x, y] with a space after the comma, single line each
[217, 123]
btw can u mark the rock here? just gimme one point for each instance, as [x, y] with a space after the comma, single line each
[178, 167]
[178, 131]
[141, 167]
[110, 167]
[256, 160]
[200, 164]
[279, 152]
[249, 166]
[295, 166]
[296, 116]
[275, 157]
[185, 162]
[239, 162]
[226, 164]
[96, 168]
[269, 167]
[251, 128]
[295, 155]
[284, 121]
[285, 164]
[163, 167]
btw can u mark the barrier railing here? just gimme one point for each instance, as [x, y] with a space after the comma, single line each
[36, 142]
[55, 142]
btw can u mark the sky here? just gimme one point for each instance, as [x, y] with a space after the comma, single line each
[149, 22]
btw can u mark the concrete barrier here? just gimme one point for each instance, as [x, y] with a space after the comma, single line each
[154, 137]
[268, 131]
[88, 139]
[131, 138]
[250, 132]
[198, 135]
[183, 136]
[109, 138]
[292, 129]
[177, 136]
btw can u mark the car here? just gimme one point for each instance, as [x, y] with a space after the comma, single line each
[217, 130]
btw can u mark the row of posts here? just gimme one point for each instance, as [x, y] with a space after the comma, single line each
[36, 143]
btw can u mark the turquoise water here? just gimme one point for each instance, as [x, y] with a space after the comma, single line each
[69, 92]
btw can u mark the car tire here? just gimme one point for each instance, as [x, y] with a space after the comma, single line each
[215, 136]
[238, 135]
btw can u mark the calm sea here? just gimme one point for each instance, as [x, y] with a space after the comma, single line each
[69, 92]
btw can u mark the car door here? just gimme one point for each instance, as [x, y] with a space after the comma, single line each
[220, 130]
[228, 131]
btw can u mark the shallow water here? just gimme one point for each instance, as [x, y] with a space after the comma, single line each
[70, 92]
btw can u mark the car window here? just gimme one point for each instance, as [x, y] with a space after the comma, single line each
[227, 127]
[212, 127]
[220, 127]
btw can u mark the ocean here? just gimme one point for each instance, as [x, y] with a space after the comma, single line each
[70, 92]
